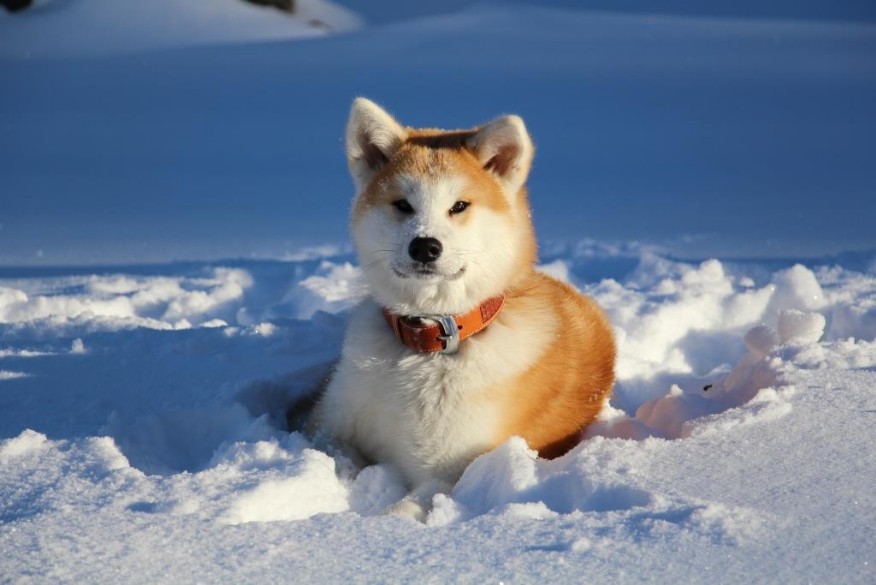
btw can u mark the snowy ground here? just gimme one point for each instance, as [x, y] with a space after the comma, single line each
[143, 406]
[143, 375]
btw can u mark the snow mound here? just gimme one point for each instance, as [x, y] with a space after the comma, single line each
[333, 288]
[38, 475]
[123, 302]
[594, 479]
[308, 486]
[27, 442]
[63, 30]
[800, 328]
[679, 322]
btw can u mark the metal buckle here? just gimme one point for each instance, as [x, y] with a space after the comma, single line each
[451, 331]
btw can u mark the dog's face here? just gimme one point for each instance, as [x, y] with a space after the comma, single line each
[440, 220]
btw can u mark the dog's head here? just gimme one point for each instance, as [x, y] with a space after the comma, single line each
[440, 220]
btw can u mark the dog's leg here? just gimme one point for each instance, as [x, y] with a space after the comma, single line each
[417, 504]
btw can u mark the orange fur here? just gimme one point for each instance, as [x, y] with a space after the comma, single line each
[551, 402]
[432, 153]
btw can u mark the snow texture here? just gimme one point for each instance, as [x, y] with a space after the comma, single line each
[142, 404]
[141, 411]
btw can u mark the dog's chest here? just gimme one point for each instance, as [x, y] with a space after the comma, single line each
[429, 414]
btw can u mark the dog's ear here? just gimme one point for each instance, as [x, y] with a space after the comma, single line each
[373, 136]
[504, 148]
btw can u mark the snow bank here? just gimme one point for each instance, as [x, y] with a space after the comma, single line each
[61, 29]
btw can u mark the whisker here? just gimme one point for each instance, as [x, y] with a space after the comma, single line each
[370, 267]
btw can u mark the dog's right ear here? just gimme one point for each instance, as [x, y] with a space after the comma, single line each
[373, 136]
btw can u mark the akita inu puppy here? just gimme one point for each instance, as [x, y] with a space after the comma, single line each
[462, 343]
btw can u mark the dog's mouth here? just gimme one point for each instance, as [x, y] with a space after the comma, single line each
[426, 272]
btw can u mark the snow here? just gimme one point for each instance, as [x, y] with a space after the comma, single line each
[701, 135]
[91, 28]
[139, 432]
[175, 274]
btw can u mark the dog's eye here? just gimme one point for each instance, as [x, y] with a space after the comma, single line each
[459, 207]
[403, 206]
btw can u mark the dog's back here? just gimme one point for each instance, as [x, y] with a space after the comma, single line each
[565, 388]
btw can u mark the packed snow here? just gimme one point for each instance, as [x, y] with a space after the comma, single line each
[174, 274]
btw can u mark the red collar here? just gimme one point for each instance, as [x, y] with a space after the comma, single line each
[431, 333]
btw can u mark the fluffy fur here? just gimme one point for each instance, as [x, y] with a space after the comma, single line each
[541, 371]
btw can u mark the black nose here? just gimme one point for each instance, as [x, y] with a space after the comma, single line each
[425, 249]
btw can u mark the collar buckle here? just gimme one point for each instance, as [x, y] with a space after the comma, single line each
[450, 331]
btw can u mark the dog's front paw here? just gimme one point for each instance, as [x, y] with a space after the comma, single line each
[407, 508]
[417, 504]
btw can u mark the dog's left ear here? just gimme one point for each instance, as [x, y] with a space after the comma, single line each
[373, 136]
[504, 148]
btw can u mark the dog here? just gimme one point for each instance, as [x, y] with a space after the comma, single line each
[461, 343]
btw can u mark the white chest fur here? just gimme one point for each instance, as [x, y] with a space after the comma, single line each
[428, 414]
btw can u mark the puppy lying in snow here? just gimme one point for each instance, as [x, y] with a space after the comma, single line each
[462, 344]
